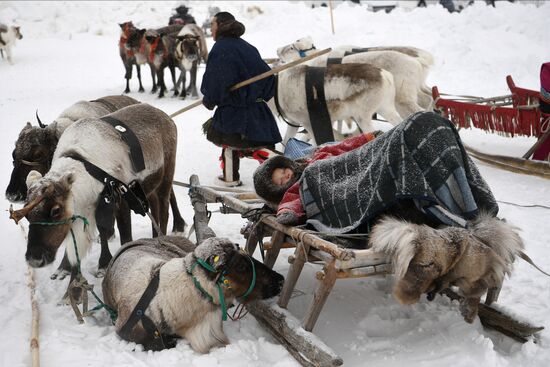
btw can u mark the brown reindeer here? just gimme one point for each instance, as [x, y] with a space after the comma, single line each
[70, 190]
[429, 260]
[127, 55]
[162, 45]
[180, 307]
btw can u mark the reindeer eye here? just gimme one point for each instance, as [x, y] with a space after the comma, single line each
[55, 212]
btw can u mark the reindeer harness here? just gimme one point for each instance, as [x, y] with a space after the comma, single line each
[157, 339]
[115, 189]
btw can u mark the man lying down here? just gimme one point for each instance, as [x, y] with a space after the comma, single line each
[417, 195]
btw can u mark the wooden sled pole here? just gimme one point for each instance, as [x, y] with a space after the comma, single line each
[331, 16]
[273, 71]
[517, 165]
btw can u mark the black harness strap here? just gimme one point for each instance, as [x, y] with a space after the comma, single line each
[136, 154]
[108, 105]
[319, 116]
[278, 106]
[155, 340]
[356, 51]
[114, 189]
[334, 60]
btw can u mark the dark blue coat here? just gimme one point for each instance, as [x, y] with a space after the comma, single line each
[233, 60]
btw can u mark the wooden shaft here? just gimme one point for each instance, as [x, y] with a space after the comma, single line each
[320, 296]
[273, 71]
[331, 16]
[540, 140]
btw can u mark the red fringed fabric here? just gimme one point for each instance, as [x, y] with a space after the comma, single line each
[510, 121]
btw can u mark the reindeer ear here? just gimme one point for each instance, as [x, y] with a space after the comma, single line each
[142, 31]
[27, 126]
[68, 179]
[32, 177]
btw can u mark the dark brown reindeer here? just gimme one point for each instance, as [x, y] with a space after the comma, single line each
[162, 54]
[181, 308]
[190, 50]
[128, 57]
[68, 191]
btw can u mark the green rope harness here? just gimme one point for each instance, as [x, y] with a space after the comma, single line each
[220, 280]
[72, 219]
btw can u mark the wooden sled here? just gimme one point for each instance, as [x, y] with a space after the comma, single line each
[336, 263]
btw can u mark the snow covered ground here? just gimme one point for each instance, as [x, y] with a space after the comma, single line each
[69, 53]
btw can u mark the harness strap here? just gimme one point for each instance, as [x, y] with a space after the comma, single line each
[130, 138]
[114, 188]
[138, 314]
[319, 116]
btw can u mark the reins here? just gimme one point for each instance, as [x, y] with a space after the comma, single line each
[84, 283]
[220, 280]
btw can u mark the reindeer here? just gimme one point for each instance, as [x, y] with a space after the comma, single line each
[69, 191]
[351, 91]
[128, 57]
[429, 260]
[190, 50]
[408, 72]
[162, 44]
[8, 36]
[180, 307]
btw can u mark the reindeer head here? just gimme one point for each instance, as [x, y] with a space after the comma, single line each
[34, 150]
[135, 40]
[295, 50]
[188, 48]
[49, 202]
[126, 28]
[239, 270]
[17, 32]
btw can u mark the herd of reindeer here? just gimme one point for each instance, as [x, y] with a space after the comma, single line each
[71, 188]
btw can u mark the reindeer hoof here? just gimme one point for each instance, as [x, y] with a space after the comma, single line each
[141, 90]
[60, 274]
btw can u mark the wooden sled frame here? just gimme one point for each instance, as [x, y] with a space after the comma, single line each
[337, 263]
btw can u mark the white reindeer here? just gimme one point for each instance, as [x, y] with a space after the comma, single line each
[8, 36]
[409, 72]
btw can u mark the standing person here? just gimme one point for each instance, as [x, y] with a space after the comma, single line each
[242, 121]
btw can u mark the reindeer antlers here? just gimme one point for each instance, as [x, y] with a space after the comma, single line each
[17, 215]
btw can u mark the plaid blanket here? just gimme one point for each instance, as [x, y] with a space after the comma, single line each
[421, 159]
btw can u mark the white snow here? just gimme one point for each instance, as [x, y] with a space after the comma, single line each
[69, 52]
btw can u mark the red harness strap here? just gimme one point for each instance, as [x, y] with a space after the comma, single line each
[154, 46]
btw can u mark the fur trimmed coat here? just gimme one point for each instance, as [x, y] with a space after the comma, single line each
[243, 111]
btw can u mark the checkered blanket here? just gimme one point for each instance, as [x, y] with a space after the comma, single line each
[421, 159]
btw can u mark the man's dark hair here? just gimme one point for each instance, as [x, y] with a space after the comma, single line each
[223, 17]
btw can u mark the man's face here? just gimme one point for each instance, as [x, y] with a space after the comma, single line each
[281, 176]
[214, 28]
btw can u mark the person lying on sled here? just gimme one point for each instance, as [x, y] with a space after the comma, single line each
[417, 195]
[418, 169]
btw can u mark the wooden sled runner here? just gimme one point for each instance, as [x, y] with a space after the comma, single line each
[336, 263]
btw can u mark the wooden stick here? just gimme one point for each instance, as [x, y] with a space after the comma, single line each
[307, 348]
[517, 165]
[331, 16]
[540, 140]
[499, 321]
[35, 346]
[273, 71]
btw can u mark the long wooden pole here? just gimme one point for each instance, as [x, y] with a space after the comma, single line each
[275, 70]
[331, 16]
